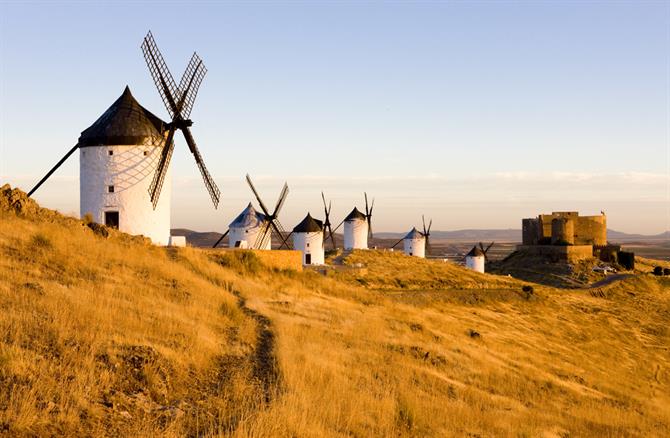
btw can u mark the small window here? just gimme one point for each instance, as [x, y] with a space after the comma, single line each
[110, 152]
[307, 244]
[110, 189]
[146, 153]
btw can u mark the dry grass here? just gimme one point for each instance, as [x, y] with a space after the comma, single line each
[113, 337]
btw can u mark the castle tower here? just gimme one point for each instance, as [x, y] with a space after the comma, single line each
[414, 244]
[118, 157]
[355, 230]
[246, 228]
[308, 238]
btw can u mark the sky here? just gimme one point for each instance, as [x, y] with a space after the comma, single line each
[476, 114]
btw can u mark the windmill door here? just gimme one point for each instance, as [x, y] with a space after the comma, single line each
[112, 219]
[308, 259]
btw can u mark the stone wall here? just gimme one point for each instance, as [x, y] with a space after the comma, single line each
[557, 253]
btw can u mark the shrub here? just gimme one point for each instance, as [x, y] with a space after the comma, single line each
[39, 240]
[658, 270]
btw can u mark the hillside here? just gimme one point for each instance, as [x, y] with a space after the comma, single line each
[110, 336]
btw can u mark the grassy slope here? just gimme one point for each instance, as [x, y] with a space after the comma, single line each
[107, 336]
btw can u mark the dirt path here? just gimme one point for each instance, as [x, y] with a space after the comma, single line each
[610, 279]
[265, 366]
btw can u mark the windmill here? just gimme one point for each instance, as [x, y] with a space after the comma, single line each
[326, 223]
[368, 213]
[178, 101]
[272, 223]
[416, 242]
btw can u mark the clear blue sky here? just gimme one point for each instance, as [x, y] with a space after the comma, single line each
[477, 113]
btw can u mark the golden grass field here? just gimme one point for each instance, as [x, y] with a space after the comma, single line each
[111, 336]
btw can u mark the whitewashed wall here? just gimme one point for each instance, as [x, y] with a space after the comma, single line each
[130, 171]
[475, 263]
[240, 234]
[356, 234]
[415, 247]
[310, 243]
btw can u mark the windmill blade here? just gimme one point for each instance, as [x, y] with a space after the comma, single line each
[189, 85]
[162, 168]
[372, 206]
[212, 188]
[423, 219]
[282, 198]
[263, 235]
[337, 227]
[367, 213]
[430, 224]
[258, 198]
[161, 75]
[325, 207]
[396, 244]
[53, 169]
[332, 238]
[429, 250]
[276, 226]
[221, 238]
[488, 247]
[370, 227]
[481, 247]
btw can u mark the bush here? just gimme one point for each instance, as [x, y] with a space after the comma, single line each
[39, 240]
[666, 271]
[658, 270]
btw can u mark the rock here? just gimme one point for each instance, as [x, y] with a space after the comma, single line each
[474, 334]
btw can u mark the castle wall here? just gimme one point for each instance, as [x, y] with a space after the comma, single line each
[558, 253]
[562, 231]
[591, 230]
[530, 231]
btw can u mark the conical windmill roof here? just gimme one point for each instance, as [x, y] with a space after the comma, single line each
[249, 218]
[475, 252]
[126, 122]
[414, 234]
[309, 225]
[355, 215]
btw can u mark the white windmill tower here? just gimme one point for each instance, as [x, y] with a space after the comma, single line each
[476, 258]
[355, 230]
[308, 238]
[125, 155]
[247, 228]
[416, 243]
[358, 227]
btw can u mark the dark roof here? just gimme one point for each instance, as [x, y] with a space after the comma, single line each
[126, 122]
[355, 214]
[309, 225]
[414, 234]
[249, 218]
[475, 252]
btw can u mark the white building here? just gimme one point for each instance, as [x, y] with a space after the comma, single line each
[250, 230]
[475, 259]
[308, 238]
[415, 244]
[355, 230]
[118, 157]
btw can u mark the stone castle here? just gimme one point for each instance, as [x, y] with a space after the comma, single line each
[565, 228]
